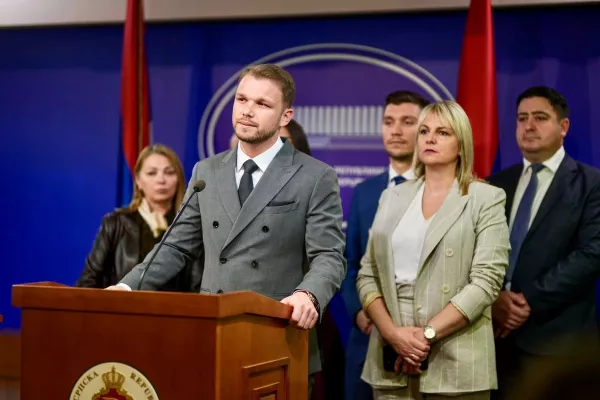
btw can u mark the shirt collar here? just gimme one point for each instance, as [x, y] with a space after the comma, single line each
[408, 175]
[262, 160]
[552, 163]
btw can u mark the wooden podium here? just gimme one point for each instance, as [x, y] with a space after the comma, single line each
[184, 346]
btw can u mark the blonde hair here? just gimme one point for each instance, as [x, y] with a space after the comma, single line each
[452, 115]
[165, 151]
[275, 73]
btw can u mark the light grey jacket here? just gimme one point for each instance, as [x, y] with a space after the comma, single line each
[463, 262]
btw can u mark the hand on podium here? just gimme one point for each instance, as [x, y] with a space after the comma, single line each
[116, 287]
[305, 314]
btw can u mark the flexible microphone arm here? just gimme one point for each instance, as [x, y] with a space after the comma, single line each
[199, 186]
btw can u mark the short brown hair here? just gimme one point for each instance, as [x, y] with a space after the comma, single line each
[404, 96]
[175, 162]
[276, 74]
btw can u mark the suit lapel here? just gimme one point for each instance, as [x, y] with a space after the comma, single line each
[446, 216]
[277, 175]
[564, 174]
[383, 181]
[510, 188]
[404, 194]
[227, 187]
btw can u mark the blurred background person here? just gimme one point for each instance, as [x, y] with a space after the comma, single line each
[434, 265]
[565, 378]
[128, 234]
[295, 134]
[399, 132]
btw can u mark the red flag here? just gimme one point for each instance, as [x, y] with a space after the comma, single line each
[477, 84]
[135, 104]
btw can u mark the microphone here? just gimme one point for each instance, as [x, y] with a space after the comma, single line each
[198, 186]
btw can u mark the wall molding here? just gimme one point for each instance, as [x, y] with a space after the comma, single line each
[21, 13]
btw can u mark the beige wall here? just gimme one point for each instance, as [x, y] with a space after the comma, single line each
[61, 12]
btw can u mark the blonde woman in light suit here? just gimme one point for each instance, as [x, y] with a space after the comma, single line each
[435, 263]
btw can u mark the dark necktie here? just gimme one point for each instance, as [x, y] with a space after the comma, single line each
[246, 184]
[398, 179]
[521, 222]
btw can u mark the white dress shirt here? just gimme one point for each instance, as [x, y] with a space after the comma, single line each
[408, 175]
[262, 161]
[408, 240]
[545, 177]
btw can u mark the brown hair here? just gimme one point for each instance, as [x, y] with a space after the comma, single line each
[404, 96]
[173, 159]
[299, 139]
[276, 74]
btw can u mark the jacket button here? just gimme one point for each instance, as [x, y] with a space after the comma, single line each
[223, 260]
[265, 229]
[219, 291]
[445, 288]
[215, 224]
[254, 264]
[449, 252]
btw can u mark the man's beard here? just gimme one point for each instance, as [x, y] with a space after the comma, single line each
[260, 136]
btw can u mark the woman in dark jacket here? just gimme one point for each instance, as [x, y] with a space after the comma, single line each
[128, 234]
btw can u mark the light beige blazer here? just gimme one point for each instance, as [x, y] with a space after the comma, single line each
[463, 262]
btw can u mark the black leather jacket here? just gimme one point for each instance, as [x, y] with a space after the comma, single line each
[116, 251]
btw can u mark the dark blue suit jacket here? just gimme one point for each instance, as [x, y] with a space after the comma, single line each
[559, 260]
[363, 207]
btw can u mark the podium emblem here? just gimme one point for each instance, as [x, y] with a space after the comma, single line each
[113, 381]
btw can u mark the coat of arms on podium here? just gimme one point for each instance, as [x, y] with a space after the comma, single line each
[113, 387]
[113, 381]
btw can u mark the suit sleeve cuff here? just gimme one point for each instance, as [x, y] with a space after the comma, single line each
[471, 301]
[460, 310]
[370, 298]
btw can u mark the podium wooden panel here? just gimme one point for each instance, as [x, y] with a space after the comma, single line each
[189, 346]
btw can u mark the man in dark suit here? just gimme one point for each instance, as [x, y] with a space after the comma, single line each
[548, 303]
[399, 130]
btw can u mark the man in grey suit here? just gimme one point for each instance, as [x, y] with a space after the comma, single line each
[266, 206]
